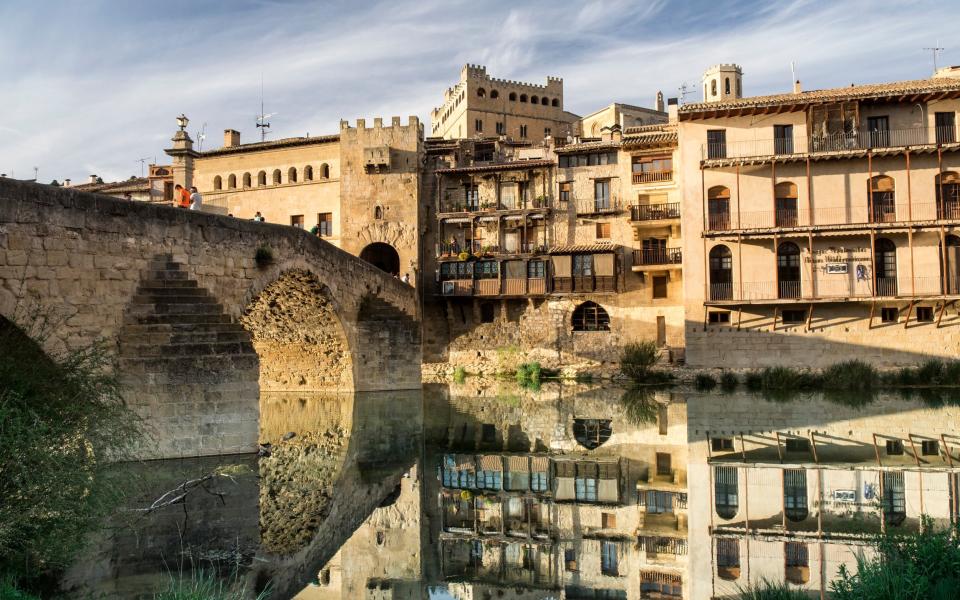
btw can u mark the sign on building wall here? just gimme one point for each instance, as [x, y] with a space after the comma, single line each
[836, 268]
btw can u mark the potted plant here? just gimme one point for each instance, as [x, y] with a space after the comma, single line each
[464, 256]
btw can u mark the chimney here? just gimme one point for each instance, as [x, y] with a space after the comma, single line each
[673, 110]
[796, 87]
[93, 179]
[659, 102]
[231, 137]
[66, 182]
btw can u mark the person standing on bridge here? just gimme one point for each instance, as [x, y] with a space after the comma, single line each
[258, 217]
[183, 196]
[195, 199]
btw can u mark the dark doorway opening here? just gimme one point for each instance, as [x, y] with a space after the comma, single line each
[383, 256]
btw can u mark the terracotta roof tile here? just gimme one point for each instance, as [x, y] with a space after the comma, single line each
[508, 166]
[577, 248]
[136, 184]
[272, 145]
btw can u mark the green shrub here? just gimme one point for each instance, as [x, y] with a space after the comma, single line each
[459, 375]
[753, 381]
[854, 375]
[951, 373]
[930, 372]
[9, 590]
[204, 585]
[704, 382]
[528, 375]
[637, 359]
[768, 590]
[728, 382]
[639, 405]
[263, 255]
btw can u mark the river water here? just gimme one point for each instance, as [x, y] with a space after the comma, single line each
[490, 490]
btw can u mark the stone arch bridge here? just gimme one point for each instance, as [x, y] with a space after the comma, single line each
[195, 324]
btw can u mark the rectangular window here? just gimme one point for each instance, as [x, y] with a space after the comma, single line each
[601, 194]
[728, 553]
[663, 463]
[501, 129]
[566, 188]
[930, 448]
[659, 286]
[894, 447]
[723, 444]
[783, 139]
[296, 221]
[716, 143]
[546, 132]
[523, 131]
[925, 314]
[879, 130]
[582, 265]
[325, 224]
[586, 489]
[793, 316]
[603, 231]
[486, 269]
[720, 316]
[608, 520]
[478, 125]
[570, 559]
[536, 269]
[945, 123]
[797, 445]
[657, 502]
[608, 559]
[890, 314]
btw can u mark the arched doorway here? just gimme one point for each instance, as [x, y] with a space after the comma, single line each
[721, 273]
[718, 208]
[788, 270]
[786, 204]
[383, 256]
[948, 195]
[885, 263]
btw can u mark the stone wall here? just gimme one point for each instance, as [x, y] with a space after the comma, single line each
[113, 270]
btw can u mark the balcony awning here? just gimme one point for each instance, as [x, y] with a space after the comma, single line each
[513, 218]
[457, 220]
[487, 219]
[583, 248]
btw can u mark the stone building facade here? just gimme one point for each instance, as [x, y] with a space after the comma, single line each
[480, 106]
[821, 225]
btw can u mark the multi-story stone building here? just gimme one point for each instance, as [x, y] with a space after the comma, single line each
[482, 106]
[821, 225]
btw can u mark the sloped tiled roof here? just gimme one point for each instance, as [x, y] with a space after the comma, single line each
[917, 87]
[577, 248]
[136, 184]
[507, 166]
[653, 135]
[587, 146]
[272, 145]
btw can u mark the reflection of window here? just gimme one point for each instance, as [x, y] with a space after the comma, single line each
[659, 502]
[894, 498]
[608, 520]
[608, 558]
[591, 433]
[586, 489]
[728, 558]
[720, 316]
[725, 491]
[538, 481]
[570, 559]
[582, 265]
[795, 494]
[925, 314]
[664, 463]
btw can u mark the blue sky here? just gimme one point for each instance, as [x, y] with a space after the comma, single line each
[92, 86]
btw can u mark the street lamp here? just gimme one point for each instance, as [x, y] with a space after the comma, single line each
[182, 121]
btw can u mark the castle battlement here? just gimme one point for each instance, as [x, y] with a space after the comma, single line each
[413, 122]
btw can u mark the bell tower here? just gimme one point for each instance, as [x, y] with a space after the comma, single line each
[722, 82]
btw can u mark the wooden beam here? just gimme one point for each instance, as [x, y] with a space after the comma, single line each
[779, 453]
[873, 310]
[809, 317]
[913, 447]
[739, 316]
[946, 448]
[909, 310]
[876, 451]
[943, 308]
[743, 449]
[813, 448]
[776, 313]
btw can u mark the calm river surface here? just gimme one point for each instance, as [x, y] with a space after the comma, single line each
[488, 490]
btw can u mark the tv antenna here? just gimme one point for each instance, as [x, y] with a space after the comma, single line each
[262, 124]
[201, 135]
[36, 174]
[935, 50]
[684, 90]
[142, 161]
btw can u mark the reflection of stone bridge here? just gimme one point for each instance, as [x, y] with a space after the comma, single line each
[197, 324]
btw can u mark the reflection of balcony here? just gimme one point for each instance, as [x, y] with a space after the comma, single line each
[655, 212]
[572, 285]
[841, 217]
[598, 206]
[652, 176]
[656, 256]
[831, 143]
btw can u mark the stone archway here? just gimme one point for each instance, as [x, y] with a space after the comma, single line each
[383, 256]
[298, 336]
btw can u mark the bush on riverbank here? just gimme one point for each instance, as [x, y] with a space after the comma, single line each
[64, 424]
[637, 361]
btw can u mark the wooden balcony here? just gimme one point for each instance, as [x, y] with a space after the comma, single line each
[494, 287]
[576, 285]
[640, 177]
[655, 212]
[647, 258]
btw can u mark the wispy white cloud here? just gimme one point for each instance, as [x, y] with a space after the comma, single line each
[93, 86]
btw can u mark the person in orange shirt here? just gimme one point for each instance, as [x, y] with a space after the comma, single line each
[183, 195]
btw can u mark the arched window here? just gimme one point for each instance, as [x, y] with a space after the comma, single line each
[788, 270]
[590, 316]
[786, 204]
[725, 492]
[232, 182]
[952, 260]
[796, 562]
[718, 208]
[545, 101]
[726, 85]
[713, 87]
[894, 498]
[262, 178]
[481, 93]
[217, 183]
[555, 102]
[292, 175]
[308, 173]
[513, 96]
[276, 177]
[948, 195]
[247, 180]
[591, 433]
[324, 171]
[494, 94]
[721, 273]
[534, 100]
[378, 212]
[523, 97]
[885, 263]
[795, 494]
[882, 199]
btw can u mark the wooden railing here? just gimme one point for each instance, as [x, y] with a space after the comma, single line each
[655, 212]
[528, 286]
[652, 176]
[658, 256]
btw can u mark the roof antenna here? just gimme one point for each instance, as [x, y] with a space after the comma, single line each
[935, 50]
[201, 135]
[684, 89]
[142, 161]
[262, 124]
[793, 74]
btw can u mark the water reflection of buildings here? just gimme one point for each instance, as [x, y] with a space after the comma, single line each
[797, 489]
[571, 494]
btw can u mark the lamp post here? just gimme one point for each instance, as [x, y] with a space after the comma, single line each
[182, 121]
